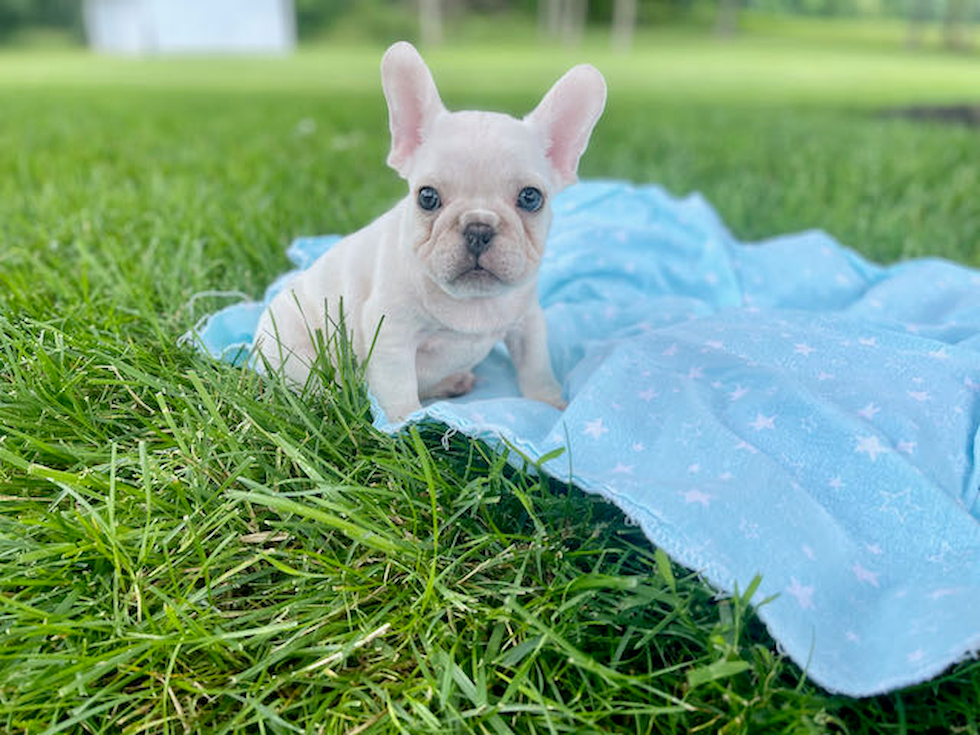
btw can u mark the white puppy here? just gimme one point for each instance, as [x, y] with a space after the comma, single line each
[452, 269]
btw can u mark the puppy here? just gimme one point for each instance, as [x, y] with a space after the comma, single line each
[452, 269]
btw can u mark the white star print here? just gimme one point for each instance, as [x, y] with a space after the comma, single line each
[836, 482]
[874, 549]
[809, 552]
[825, 376]
[696, 496]
[869, 411]
[916, 656]
[852, 636]
[694, 373]
[648, 395]
[670, 351]
[694, 468]
[738, 393]
[803, 348]
[714, 344]
[638, 447]
[871, 446]
[802, 593]
[622, 469]
[763, 422]
[865, 575]
[940, 354]
[942, 556]
[747, 447]
[868, 341]
[749, 530]
[919, 395]
[899, 502]
[595, 428]
[906, 447]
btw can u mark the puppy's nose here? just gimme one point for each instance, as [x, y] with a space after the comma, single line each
[478, 236]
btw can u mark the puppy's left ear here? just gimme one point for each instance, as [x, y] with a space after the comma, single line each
[413, 101]
[566, 116]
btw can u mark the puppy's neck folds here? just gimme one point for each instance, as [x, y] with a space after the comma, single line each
[477, 314]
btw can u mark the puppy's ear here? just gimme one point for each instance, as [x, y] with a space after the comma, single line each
[413, 101]
[566, 116]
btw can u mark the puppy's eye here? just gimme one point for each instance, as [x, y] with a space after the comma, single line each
[530, 199]
[429, 198]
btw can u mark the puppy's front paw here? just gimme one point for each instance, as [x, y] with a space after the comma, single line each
[398, 413]
[550, 394]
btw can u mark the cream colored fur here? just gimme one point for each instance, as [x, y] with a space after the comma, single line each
[444, 305]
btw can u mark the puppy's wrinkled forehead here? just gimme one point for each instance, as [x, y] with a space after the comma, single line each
[475, 152]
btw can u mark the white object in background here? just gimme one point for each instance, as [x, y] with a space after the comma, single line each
[190, 26]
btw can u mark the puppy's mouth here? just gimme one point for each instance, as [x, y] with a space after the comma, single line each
[477, 274]
[477, 280]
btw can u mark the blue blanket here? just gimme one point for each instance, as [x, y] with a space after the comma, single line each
[784, 408]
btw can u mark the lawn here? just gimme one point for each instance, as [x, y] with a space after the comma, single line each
[185, 547]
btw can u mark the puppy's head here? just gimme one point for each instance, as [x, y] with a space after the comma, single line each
[481, 183]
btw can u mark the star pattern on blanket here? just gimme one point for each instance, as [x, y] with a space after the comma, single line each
[595, 428]
[869, 412]
[802, 593]
[697, 496]
[738, 393]
[872, 446]
[865, 575]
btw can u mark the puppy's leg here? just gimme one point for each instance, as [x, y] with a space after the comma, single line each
[392, 377]
[457, 384]
[527, 343]
[283, 339]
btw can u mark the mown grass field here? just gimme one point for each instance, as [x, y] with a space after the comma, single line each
[185, 547]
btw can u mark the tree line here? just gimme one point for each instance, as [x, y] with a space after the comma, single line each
[562, 19]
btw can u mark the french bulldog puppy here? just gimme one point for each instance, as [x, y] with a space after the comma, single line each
[452, 269]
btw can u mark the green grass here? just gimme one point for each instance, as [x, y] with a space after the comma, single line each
[185, 547]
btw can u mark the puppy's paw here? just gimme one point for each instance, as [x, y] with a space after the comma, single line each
[454, 385]
[550, 394]
[399, 412]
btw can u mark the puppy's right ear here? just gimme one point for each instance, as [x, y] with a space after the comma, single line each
[413, 101]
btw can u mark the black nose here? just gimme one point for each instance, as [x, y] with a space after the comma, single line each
[478, 236]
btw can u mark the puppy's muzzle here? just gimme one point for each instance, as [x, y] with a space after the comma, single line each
[478, 236]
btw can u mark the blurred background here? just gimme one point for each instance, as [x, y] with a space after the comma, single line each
[162, 26]
[856, 116]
